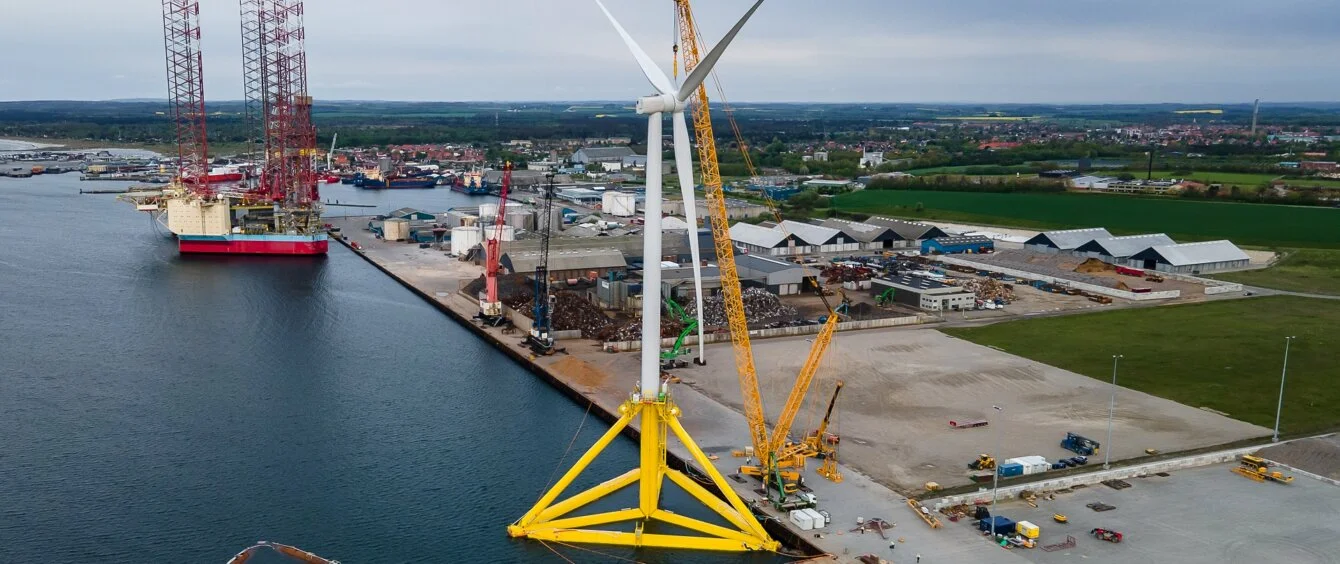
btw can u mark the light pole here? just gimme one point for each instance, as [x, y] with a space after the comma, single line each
[1111, 409]
[1280, 406]
[995, 476]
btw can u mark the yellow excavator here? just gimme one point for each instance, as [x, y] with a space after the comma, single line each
[774, 466]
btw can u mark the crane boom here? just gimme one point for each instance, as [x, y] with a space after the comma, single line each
[719, 221]
[828, 415]
[490, 308]
[797, 396]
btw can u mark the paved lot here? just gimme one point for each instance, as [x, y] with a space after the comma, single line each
[1206, 514]
[903, 386]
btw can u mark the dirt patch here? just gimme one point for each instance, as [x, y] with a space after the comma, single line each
[1320, 456]
[578, 372]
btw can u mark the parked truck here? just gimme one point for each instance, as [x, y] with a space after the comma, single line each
[1079, 445]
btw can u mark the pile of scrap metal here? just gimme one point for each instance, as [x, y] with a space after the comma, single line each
[989, 289]
[632, 330]
[570, 312]
[759, 306]
[838, 273]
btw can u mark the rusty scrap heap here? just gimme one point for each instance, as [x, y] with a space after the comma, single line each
[990, 289]
[759, 306]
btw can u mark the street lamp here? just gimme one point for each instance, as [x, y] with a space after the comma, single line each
[1111, 408]
[995, 476]
[1280, 406]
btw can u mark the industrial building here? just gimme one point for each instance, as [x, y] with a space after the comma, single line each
[1064, 240]
[819, 239]
[412, 215]
[1116, 250]
[779, 277]
[924, 293]
[958, 245]
[568, 263]
[594, 155]
[1191, 258]
[757, 240]
[912, 232]
[735, 209]
[678, 282]
[870, 236]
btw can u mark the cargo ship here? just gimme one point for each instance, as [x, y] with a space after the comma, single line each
[233, 221]
[471, 183]
[398, 182]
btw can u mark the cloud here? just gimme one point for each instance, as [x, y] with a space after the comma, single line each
[793, 50]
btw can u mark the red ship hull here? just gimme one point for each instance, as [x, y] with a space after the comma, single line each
[253, 245]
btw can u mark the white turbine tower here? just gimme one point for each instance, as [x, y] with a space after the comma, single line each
[673, 100]
[651, 403]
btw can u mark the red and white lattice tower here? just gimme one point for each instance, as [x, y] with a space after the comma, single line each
[186, 92]
[290, 138]
[253, 72]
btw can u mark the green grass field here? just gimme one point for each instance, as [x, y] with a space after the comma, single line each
[1185, 220]
[1225, 355]
[1243, 179]
[1312, 271]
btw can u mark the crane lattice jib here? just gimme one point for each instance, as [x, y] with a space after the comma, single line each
[493, 246]
[253, 72]
[186, 91]
[716, 210]
[823, 424]
[802, 386]
[290, 138]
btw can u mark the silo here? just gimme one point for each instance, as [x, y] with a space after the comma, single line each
[488, 210]
[522, 220]
[508, 233]
[463, 239]
[619, 204]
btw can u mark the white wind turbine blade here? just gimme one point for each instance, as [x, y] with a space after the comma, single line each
[649, 68]
[704, 67]
[684, 166]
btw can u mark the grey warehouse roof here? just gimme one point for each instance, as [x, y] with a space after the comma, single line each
[765, 265]
[809, 233]
[863, 232]
[757, 236]
[912, 282]
[565, 259]
[1195, 253]
[908, 230]
[1069, 238]
[1122, 247]
[607, 152]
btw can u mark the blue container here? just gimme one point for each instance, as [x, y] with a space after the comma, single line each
[1004, 525]
[1011, 469]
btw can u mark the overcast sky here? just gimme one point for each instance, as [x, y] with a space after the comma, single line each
[793, 50]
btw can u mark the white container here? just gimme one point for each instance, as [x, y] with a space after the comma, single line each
[619, 204]
[508, 233]
[863, 284]
[395, 229]
[819, 520]
[463, 239]
[802, 519]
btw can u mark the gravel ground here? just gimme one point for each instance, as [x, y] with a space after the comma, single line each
[1320, 456]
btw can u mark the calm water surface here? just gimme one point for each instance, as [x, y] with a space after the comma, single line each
[159, 408]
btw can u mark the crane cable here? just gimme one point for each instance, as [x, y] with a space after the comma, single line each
[550, 481]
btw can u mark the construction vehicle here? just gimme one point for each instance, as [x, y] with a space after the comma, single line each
[1060, 518]
[1106, 535]
[823, 445]
[490, 305]
[1258, 469]
[766, 448]
[1079, 445]
[983, 462]
[885, 298]
[541, 337]
[672, 358]
[289, 551]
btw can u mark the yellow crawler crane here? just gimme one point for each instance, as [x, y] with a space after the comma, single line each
[771, 450]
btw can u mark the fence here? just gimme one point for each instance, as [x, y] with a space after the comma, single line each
[780, 332]
[1091, 288]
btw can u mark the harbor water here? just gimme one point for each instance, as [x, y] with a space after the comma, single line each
[161, 408]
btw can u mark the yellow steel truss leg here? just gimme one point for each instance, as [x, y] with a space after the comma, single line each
[546, 520]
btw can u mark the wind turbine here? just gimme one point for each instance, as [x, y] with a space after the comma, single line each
[650, 402]
[673, 100]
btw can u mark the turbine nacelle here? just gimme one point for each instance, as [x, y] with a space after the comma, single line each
[659, 103]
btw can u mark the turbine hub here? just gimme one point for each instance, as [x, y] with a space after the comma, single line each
[659, 103]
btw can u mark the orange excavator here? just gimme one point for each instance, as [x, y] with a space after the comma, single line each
[289, 551]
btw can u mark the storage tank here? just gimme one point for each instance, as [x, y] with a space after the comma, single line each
[463, 239]
[395, 229]
[469, 220]
[555, 218]
[523, 220]
[508, 233]
[488, 210]
[619, 204]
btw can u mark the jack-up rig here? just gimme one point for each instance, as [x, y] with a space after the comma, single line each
[221, 211]
[650, 400]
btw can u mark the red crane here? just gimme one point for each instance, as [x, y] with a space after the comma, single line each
[186, 92]
[490, 308]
